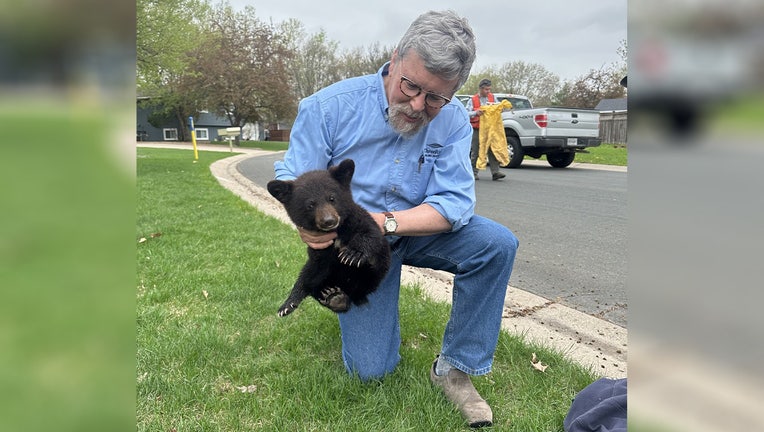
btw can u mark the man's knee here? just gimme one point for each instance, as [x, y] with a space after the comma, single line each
[502, 242]
[511, 241]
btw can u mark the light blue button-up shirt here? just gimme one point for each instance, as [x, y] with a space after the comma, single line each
[348, 120]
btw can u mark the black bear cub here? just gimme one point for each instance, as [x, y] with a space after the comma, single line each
[352, 269]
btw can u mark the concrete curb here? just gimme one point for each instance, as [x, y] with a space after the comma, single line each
[585, 339]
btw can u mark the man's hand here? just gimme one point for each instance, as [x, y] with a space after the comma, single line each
[317, 239]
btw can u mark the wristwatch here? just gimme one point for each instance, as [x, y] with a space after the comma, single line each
[390, 225]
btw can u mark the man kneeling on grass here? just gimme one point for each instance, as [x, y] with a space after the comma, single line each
[411, 144]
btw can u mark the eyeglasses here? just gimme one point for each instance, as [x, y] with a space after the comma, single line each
[432, 100]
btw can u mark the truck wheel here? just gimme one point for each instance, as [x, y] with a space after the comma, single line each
[560, 159]
[516, 153]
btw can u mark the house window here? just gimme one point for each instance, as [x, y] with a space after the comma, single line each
[170, 134]
[202, 134]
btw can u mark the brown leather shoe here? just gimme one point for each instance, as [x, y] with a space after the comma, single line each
[458, 389]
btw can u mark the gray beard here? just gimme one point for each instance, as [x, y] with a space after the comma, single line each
[406, 129]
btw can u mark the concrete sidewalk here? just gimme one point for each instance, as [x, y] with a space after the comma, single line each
[582, 338]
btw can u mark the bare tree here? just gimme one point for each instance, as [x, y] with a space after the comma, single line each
[315, 65]
[588, 90]
[363, 61]
[529, 79]
[470, 87]
[242, 68]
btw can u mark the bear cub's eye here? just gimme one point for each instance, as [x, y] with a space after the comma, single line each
[331, 198]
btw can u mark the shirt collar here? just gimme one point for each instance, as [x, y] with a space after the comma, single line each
[383, 104]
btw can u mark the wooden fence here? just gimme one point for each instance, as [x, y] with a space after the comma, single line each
[613, 127]
[279, 135]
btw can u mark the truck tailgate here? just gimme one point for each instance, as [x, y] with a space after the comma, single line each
[572, 123]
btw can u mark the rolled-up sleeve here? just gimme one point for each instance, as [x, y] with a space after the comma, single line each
[451, 190]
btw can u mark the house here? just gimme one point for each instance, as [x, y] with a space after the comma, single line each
[612, 105]
[206, 127]
[613, 120]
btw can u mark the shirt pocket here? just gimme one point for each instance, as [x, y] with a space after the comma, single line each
[420, 173]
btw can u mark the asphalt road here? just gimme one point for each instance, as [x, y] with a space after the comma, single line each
[571, 224]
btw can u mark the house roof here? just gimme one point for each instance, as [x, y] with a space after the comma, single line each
[612, 105]
[210, 119]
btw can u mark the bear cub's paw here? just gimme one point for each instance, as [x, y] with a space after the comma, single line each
[352, 258]
[335, 299]
[287, 308]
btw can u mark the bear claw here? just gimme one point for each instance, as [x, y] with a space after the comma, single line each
[351, 258]
[335, 299]
[286, 309]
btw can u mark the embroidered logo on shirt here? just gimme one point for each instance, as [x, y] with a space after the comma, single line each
[432, 151]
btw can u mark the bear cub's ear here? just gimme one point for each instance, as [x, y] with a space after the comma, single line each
[281, 189]
[343, 172]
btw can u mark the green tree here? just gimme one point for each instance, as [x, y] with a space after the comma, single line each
[167, 31]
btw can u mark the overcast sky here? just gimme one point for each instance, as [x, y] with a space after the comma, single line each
[567, 37]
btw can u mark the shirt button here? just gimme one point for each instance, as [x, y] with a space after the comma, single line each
[393, 189]
[397, 161]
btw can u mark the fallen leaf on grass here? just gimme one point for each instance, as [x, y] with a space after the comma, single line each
[537, 364]
[205, 293]
[144, 239]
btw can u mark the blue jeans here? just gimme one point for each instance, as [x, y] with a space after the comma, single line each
[481, 256]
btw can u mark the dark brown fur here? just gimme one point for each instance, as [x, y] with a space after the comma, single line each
[360, 258]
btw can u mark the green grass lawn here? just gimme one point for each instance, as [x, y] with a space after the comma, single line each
[605, 154]
[213, 355]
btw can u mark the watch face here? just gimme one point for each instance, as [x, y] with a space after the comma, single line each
[390, 225]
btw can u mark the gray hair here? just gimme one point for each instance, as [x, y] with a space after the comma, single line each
[445, 42]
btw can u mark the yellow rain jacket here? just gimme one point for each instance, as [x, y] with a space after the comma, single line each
[492, 134]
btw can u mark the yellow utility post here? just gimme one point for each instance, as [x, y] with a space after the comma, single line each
[193, 136]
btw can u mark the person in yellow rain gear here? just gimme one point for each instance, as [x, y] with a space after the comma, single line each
[475, 105]
[493, 139]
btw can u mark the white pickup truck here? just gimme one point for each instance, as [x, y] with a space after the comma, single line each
[557, 133]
